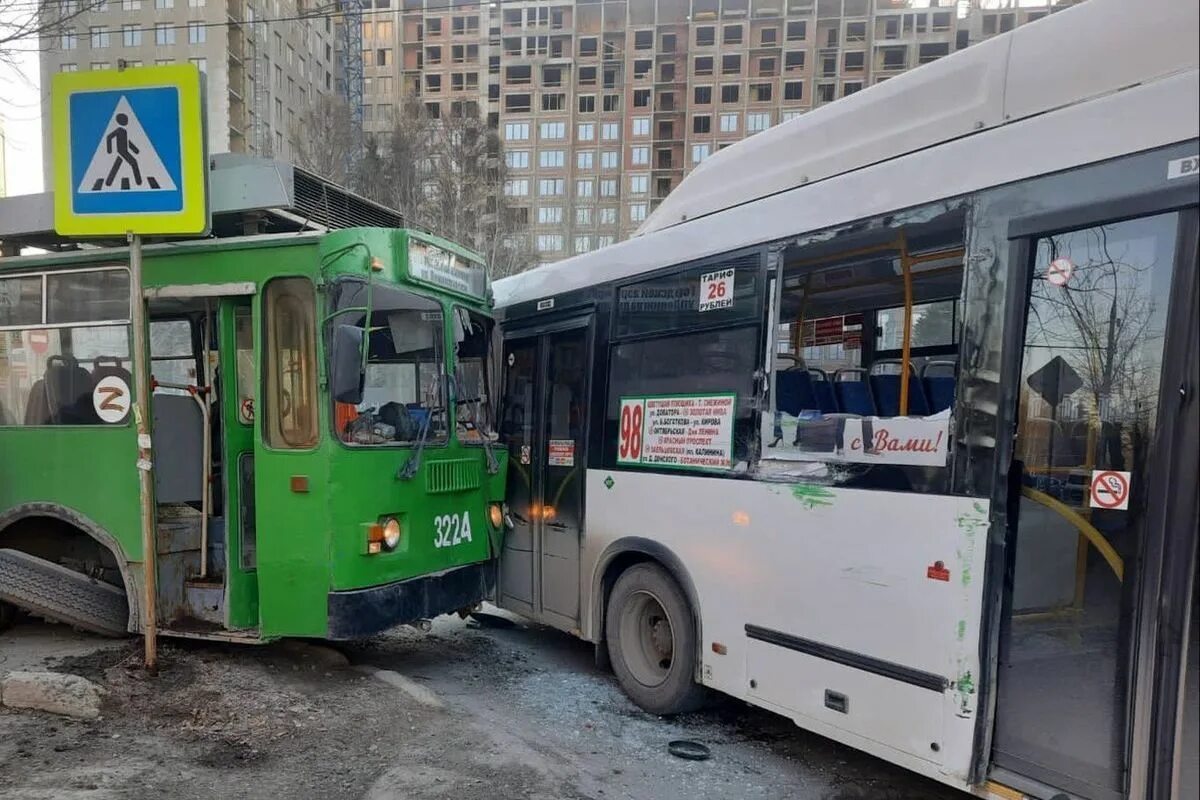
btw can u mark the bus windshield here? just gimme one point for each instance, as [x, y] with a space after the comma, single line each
[403, 400]
[474, 376]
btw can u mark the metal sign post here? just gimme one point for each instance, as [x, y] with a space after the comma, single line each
[145, 462]
[130, 160]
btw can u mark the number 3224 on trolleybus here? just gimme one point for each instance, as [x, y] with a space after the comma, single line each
[887, 420]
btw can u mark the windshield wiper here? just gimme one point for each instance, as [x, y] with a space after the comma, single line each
[476, 403]
[410, 467]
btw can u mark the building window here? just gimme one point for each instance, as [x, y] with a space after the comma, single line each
[729, 123]
[641, 126]
[68, 68]
[793, 60]
[556, 101]
[797, 30]
[701, 151]
[608, 188]
[610, 131]
[550, 215]
[583, 215]
[732, 34]
[99, 65]
[551, 158]
[583, 244]
[131, 35]
[639, 156]
[585, 131]
[731, 65]
[553, 130]
[637, 212]
[790, 115]
[549, 243]
[516, 131]
[639, 184]
[99, 37]
[604, 241]
[164, 35]
[760, 92]
[584, 188]
[131, 5]
[853, 62]
[769, 35]
[793, 90]
[610, 159]
[551, 187]
[703, 65]
[585, 159]
[197, 33]
[587, 103]
[517, 159]
[517, 188]
[706, 36]
[702, 123]
[851, 88]
[825, 92]
[608, 216]
[730, 93]
[702, 95]
[69, 40]
[641, 98]
[757, 122]
[856, 31]
[161, 4]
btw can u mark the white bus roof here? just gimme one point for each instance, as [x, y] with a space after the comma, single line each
[967, 102]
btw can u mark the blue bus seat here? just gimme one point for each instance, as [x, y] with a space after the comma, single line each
[939, 389]
[886, 388]
[823, 391]
[795, 390]
[853, 396]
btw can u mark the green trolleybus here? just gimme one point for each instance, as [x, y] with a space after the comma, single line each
[322, 434]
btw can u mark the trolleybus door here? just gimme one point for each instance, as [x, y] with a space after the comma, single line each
[1095, 393]
[544, 424]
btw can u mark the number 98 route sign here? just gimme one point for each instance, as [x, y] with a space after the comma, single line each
[129, 152]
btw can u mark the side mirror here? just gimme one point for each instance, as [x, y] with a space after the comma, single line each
[345, 364]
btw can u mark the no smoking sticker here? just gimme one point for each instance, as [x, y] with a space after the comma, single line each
[1110, 490]
[1059, 271]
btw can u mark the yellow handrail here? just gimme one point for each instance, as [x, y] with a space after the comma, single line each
[1087, 529]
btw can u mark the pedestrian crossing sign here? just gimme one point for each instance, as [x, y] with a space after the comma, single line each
[129, 152]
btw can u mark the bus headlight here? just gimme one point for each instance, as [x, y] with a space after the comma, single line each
[496, 515]
[391, 533]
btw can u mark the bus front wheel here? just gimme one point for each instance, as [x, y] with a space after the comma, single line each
[651, 639]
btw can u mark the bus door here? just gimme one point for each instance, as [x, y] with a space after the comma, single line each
[544, 423]
[1096, 407]
[236, 377]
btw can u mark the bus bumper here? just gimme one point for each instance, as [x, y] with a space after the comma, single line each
[359, 613]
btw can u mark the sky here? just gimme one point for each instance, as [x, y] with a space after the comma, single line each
[20, 108]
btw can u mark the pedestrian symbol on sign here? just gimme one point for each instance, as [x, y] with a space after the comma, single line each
[125, 159]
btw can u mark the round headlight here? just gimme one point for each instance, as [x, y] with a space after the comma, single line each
[496, 515]
[391, 533]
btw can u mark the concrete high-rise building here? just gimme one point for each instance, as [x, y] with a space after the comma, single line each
[604, 105]
[265, 61]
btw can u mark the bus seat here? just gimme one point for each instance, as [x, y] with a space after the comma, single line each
[823, 391]
[887, 392]
[939, 389]
[853, 396]
[795, 390]
[108, 366]
[68, 390]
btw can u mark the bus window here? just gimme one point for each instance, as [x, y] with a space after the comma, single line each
[841, 392]
[172, 359]
[244, 343]
[53, 351]
[402, 395]
[474, 376]
[290, 364]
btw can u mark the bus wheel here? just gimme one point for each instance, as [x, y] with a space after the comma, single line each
[53, 592]
[652, 641]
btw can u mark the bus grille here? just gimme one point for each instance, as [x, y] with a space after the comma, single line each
[456, 475]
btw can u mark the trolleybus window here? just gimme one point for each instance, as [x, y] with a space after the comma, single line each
[53, 352]
[402, 392]
[290, 364]
[474, 377]
[243, 325]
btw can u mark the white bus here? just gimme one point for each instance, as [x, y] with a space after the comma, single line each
[886, 420]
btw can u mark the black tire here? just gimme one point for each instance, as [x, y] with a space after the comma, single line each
[53, 592]
[652, 641]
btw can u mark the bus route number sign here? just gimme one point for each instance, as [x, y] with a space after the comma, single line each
[716, 290]
[678, 431]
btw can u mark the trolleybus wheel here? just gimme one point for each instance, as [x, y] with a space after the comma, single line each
[52, 591]
[652, 641]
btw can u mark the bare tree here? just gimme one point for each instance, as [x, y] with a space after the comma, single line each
[328, 139]
[445, 175]
[33, 24]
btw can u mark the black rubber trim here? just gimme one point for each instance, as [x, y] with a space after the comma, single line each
[849, 658]
[359, 613]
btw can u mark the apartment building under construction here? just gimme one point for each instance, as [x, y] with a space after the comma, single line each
[604, 105]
